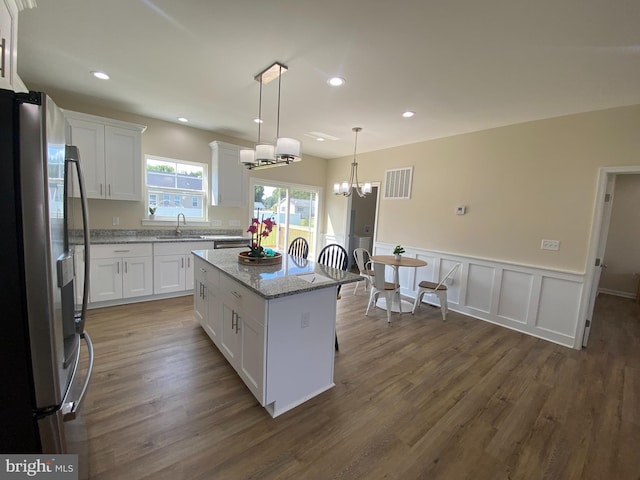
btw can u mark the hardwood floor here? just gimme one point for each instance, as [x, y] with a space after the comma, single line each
[420, 399]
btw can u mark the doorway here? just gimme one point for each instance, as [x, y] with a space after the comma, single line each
[362, 215]
[602, 230]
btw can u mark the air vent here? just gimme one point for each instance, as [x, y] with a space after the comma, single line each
[398, 183]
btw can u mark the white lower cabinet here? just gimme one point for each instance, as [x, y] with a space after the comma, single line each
[234, 318]
[173, 266]
[121, 271]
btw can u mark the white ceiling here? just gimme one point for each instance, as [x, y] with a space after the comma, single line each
[461, 65]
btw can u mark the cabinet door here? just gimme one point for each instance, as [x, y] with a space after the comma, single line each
[251, 364]
[8, 41]
[123, 163]
[168, 273]
[89, 138]
[230, 340]
[228, 176]
[188, 275]
[137, 278]
[200, 304]
[106, 279]
[214, 314]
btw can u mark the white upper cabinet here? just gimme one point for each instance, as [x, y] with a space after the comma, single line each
[8, 44]
[228, 176]
[110, 155]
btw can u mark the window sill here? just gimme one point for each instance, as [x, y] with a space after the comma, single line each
[164, 222]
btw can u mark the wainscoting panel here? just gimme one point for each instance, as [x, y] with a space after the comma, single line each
[515, 296]
[480, 283]
[537, 301]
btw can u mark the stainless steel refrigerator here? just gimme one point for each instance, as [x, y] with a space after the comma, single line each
[46, 354]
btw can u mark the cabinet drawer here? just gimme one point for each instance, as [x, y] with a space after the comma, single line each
[243, 299]
[123, 250]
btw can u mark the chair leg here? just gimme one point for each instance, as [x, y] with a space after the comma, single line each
[356, 287]
[337, 343]
[417, 301]
[389, 303]
[372, 297]
[442, 296]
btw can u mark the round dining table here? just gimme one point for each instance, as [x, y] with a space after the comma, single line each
[396, 263]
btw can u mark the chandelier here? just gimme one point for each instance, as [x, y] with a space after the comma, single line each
[347, 188]
[266, 155]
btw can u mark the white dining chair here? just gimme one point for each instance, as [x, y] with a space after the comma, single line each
[362, 257]
[437, 289]
[381, 286]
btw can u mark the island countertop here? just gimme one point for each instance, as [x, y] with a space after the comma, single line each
[295, 275]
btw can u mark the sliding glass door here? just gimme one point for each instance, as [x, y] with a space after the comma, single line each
[294, 209]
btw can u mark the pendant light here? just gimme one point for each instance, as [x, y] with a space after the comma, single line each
[286, 150]
[347, 188]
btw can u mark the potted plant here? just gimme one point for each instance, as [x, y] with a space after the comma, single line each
[260, 228]
[398, 251]
[152, 212]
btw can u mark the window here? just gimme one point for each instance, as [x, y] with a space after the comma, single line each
[176, 186]
[295, 209]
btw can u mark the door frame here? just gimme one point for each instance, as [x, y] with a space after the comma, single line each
[597, 244]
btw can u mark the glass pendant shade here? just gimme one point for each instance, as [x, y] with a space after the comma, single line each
[265, 152]
[247, 157]
[366, 188]
[287, 148]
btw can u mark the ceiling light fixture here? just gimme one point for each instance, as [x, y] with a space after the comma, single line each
[408, 114]
[336, 81]
[183, 119]
[286, 150]
[100, 75]
[347, 188]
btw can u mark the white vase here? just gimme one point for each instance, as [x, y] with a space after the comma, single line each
[397, 257]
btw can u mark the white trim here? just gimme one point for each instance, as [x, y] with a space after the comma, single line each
[538, 301]
[617, 293]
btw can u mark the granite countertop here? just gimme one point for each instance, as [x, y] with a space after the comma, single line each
[293, 276]
[106, 237]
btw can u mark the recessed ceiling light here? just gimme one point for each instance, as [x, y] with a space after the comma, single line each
[183, 120]
[336, 81]
[320, 139]
[408, 114]
[100, 75]
[258, 120]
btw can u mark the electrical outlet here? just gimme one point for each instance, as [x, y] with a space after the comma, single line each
[216, 223]
[461, 210]
[305, 320]
[115, 221]
[234, 223]
[550, 245]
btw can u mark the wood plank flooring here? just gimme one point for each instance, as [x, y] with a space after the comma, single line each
[420, 399]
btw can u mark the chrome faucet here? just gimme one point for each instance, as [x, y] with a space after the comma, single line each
[184, 222]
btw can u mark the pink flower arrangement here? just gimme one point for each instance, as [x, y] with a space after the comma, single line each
[259, 229]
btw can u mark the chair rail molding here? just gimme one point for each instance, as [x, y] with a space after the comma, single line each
[541, 302]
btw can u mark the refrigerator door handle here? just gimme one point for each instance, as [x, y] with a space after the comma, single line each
[73, 156]
[70, 408]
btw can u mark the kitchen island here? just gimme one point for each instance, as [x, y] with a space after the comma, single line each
[274, 324]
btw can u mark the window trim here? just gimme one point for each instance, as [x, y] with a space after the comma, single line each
[170, 191]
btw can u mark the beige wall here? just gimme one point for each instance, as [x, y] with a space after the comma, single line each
[622, 255]
[521, 184]
[177, 141]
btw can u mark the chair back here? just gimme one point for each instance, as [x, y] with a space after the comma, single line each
[362, 257]
[449, 274]
[299, 247]
[334, 255]
[378, 275]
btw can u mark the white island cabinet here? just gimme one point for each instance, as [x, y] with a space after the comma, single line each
[275, 328]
